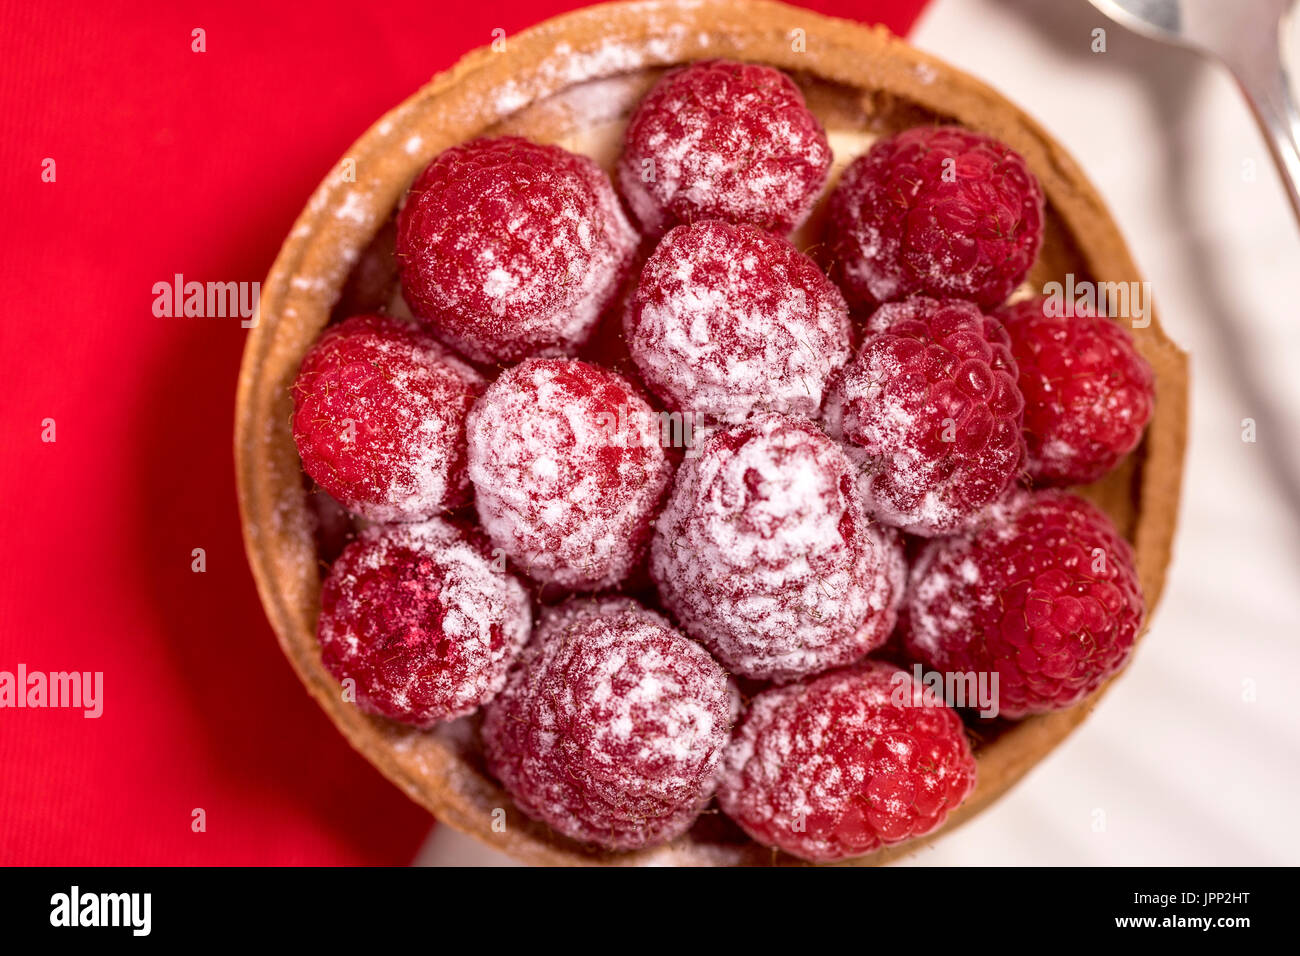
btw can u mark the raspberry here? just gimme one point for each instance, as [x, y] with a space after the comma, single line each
[508, 248]
[1088, 393]
[843, 764]
[420, 619]
[379, 419]
[764, 555]
[943, 211]
[1045, 596]
[612, 726]
[567, 466]
[932, 409]
[728, 320]
[723, 140]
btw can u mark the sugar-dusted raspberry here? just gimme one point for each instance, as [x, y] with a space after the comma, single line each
[1088, 393]
[931, 408]
[1045, 596]
[422, 620]
[942, 211]
[764, 554]
[379, 419]
[723, 140]
[845, 763]
[612, 726]
[728, 320]
[568, 468]
[509, 248]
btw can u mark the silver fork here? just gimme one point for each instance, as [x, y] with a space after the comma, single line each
[1243, 35]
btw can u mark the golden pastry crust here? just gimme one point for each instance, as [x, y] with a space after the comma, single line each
[572, 80]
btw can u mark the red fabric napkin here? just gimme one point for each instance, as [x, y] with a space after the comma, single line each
[167, 161]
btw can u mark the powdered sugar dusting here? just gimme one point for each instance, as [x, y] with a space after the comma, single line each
[568, 468]
[610, 58]
[728, 320]
[927, 625]
[508, 248]
[423, 623]
[764, 553]
[612, 726]
[723, 140]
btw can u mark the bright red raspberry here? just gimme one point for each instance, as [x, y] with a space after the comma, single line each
[1088, 393]
[509, 248]
[932, 412]
[942, 211]
[568, 468]
[723, 140]
[1045, 596]
[422, 620]
[379, 419]
[728, 320]
[612, 726]
[843, 764]
[765, 555]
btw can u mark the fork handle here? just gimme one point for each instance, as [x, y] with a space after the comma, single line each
[1263, 79]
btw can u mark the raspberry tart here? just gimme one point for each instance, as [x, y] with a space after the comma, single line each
[478, 288]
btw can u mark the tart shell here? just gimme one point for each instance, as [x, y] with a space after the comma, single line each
[572, 80]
